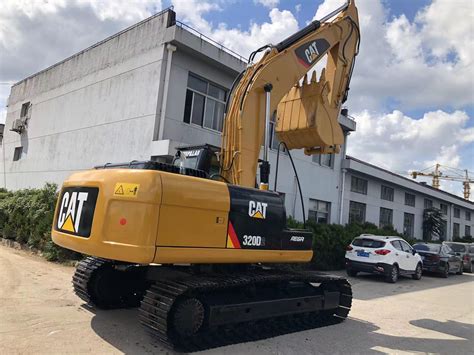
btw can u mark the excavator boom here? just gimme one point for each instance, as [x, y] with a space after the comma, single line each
[308, 113]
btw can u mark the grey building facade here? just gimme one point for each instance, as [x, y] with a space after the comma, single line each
[157, 85]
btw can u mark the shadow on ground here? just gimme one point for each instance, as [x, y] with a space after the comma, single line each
[121, 329]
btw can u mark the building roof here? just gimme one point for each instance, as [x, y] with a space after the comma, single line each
[405, 182]
[171, 22]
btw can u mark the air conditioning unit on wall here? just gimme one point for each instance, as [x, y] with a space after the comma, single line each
[18, 126]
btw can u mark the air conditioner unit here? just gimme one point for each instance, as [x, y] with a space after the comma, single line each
[18, 126]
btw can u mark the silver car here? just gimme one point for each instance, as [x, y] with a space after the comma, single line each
[465, 251]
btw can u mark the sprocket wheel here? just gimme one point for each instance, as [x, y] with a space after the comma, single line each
[188, 317]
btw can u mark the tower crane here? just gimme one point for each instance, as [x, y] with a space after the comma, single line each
[437, 174]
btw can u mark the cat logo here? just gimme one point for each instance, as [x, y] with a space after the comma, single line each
[70, 211]
[258, 209]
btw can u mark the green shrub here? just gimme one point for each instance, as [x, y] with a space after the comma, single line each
[26, 216]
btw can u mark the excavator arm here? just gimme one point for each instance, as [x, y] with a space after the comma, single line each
[307, 115]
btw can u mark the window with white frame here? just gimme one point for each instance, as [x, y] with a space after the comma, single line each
[357, 212]
[324, 159]
[386, 193]
[319, 211]
[428, 203]
[456, 229]
[410, 199]
[408, 224]
[386, 217]
[205, 103]
[457, 212]
[359, 185]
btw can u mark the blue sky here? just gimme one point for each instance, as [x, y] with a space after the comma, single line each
[412, 92]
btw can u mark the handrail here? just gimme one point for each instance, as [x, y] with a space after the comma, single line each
[211, 41]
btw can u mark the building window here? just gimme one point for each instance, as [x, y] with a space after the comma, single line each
[319, 211]
[408, 225]
[358, 185]
[428, 203]
[409, 199]
[456, 230]
[457, 212]
[468, 216]
[386, 193]
[467, 231]
[205, 104]
[386, 217]
[324, 159]
[443, 208]
[356, 212]
[17, 153]
[25, 110]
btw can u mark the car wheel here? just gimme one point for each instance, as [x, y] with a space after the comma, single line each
[418, 272]
[392, 276]
[351, 272]
[445, 273]
[460, 271]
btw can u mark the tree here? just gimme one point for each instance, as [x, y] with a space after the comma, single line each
[433, 222]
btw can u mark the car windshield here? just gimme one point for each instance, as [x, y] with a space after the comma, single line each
[458, 248]
[368, 243]
[427, 247]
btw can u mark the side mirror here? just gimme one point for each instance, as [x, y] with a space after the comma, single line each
[413, 251]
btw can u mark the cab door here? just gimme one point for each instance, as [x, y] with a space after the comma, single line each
[411, 259]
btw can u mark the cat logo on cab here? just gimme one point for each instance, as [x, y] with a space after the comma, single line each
[75, 210]
[258, 209]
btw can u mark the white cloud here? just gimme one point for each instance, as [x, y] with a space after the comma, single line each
[282, 24]
[400, 143]
[37, 33]
[410, 63]
[267, 3]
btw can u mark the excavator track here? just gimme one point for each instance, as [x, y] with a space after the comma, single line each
[99, 283]
[202, 312]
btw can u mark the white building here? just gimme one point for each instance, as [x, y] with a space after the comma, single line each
[159, 84]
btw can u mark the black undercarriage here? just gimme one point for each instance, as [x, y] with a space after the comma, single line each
[199, 307]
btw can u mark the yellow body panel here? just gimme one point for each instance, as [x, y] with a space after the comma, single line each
[132, 241]
[194, 212]
[171, 218]
[166, 255]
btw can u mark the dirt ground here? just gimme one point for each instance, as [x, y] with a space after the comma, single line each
[39, 314]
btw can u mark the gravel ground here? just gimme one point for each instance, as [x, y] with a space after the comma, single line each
[39, 314]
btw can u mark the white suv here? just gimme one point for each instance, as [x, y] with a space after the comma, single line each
[389, 256]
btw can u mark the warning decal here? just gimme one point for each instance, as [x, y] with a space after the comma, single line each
[124, 189]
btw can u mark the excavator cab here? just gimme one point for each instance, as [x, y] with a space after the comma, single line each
[198, 157]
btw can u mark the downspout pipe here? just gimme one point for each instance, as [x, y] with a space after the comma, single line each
[170, 48]
[343, 182]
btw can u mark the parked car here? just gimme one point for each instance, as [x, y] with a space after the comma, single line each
[388, 256]
[439, 258]
[462, 250]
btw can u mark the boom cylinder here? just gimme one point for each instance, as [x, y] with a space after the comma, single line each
[265, 165]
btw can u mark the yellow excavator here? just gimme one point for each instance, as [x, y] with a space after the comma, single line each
[194, 242]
